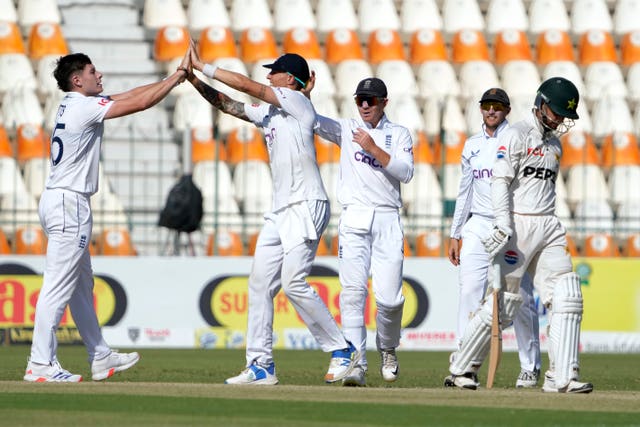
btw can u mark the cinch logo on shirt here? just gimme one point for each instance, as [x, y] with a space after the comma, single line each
[366, 159]
[502, 151]
[482, 173]
[540, 173]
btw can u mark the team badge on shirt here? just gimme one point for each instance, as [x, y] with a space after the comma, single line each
[502, 151]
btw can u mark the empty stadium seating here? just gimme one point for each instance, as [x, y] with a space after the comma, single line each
[436, 56]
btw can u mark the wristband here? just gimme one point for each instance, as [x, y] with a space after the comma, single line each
[186, 72]
[209, 70]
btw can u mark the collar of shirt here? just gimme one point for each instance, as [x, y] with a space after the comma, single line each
[383, 121]
[499, 129]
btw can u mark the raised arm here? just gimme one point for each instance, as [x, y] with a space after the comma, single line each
[234, 80]
[144, 97]
[218, 99]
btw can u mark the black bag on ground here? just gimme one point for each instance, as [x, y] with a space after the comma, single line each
[183, 209]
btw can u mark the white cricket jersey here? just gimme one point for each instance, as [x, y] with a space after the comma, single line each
[363, 181]
[474, 194]
[75, 143]
[288, 131]
[529, 161]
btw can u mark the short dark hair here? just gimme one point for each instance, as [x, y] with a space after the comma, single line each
[66, 66]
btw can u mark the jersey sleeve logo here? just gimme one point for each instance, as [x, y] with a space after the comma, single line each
[502, 151]
[103, 101]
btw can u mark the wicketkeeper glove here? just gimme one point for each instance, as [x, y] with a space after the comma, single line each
[494, 243]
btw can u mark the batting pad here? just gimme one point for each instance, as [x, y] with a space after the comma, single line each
[477, 335]
[564, 333]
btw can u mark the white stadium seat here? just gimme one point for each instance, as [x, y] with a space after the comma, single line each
[420, 14]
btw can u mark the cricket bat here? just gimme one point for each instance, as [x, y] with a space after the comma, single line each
[496, 332]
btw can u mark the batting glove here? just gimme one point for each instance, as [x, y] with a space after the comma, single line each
[494, 243]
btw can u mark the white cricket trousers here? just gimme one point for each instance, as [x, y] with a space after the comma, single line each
[66, 218]
[379, 250]
[473, 277]
[275, 268]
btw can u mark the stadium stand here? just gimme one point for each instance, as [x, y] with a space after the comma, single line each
[445, 54]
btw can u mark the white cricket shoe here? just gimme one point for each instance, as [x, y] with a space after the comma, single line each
[342, 362]
[574, 386]
[255, 375]
[467, 381]
[528, 379]
[53, 373]
[356, 377]
[114, 362]
[389, 364]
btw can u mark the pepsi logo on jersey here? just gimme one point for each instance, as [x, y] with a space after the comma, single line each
[540, 173]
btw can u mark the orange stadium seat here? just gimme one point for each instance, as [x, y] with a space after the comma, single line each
[225, 243]
[335, 245]
[170, 43]
[572, 248]
[10, 38]
[246, 143]
[600, 245]
[620, 149]
[554, 45]
[205, 147]
[32, 142]
[469, 45]
[251, 244]
[326, 151]
[115, 242]
[632, 246]
[596, 46]
[302, 41]
[257, 44]
[5, 145]
[453, 145]
[430, 244]
[342, 44]
[46, 38]
[384, 45]
[216, 42]
[422, 151]
[323, 247]
[427, 45]
[578, 148]
[407, 248]
[5, 249]
[511, 45]
[30, 240]
[630, 48]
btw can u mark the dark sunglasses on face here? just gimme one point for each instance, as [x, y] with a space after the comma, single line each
[371, 100]
[496, 106]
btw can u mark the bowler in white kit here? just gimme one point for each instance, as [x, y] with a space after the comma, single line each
[376, 156]
[289, 238]
[65, 215]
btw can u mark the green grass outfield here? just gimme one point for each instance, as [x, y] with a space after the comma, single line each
[184, 387]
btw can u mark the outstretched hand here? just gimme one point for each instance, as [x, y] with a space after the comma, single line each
[195, 59]
[310, 85]
[185, 66]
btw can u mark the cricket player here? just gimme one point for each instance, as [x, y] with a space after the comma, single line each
[288, 241]
[65, 215]
[472, 222]
[528, 237]
[375, 157]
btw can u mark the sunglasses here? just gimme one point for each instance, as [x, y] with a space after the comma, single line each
[372, 101]
[496, 106]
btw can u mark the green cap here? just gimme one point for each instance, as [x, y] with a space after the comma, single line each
[561, 96]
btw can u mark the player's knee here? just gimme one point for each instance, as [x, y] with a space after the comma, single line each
[567, 294]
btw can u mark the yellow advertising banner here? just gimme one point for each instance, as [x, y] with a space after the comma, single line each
[611, 292]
